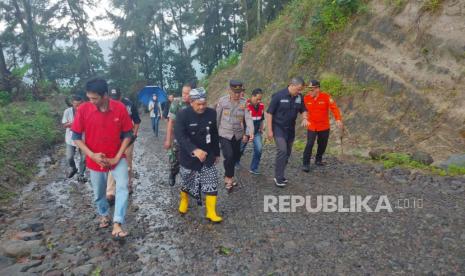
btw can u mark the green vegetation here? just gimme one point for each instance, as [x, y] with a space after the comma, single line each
[397, 5]
[431, 5]
[25, 128]
[328, 17]
[396, 159]
[228, 62]
[334, 84]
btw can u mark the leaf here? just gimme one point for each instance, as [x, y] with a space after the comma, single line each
[225, 251]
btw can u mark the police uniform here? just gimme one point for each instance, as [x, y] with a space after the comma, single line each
[284, 109]
[231, 116]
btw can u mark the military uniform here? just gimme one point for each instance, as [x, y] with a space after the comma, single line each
[173, 152]
[231, 117]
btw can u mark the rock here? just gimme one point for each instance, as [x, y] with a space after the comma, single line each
[454, 160]
[16, 269]
[53, 273]
[34, 227]
[376, 154]
[422, 157]
[83, 270]
[31, 264]
[28, 236]
[5, 262]
[18, 249]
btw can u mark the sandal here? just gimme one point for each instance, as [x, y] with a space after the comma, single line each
[120, 235]
[104, 222]
[228, 185]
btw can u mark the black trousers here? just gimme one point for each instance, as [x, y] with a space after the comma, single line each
[231, 153]
[322, 139]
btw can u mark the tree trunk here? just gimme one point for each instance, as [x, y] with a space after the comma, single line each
[5, 74]
[245, 9]
[259, 15]
[28, 29]
[85, 69]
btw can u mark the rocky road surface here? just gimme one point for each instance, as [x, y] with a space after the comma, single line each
[51, 229]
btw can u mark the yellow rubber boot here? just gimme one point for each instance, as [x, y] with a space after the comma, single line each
[184, 203]
[210, 206]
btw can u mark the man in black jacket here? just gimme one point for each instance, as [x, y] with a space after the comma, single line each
[197, 134]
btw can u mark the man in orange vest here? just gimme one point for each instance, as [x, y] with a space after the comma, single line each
[318, 104]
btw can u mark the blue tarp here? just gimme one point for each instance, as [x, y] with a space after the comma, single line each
[145, 95]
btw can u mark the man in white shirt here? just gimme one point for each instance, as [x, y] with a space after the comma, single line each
[67, 121]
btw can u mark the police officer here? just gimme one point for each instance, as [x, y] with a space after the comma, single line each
[197, 134]
[232, 113]
[281, 116]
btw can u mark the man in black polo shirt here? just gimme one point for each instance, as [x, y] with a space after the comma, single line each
[281, 116]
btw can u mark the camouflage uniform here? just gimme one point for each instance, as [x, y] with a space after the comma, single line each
[173, 152]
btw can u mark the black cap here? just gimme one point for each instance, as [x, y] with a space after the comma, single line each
[236, 86]
[115, 94]
[314, 83]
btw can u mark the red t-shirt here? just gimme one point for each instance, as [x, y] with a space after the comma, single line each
[102, 129]
[318, 111]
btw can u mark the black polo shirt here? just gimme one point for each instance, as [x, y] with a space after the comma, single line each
[285, 109]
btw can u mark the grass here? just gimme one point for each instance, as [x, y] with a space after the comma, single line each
[25, 129]
[431, 5]
[228, 62]
[327, 17]
[403, 160]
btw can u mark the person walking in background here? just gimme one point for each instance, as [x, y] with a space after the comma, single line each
[170, 143]
[234, 125]
[67, 121]
[108, 131]
[155, 113]
[197, 134]
[257, 112]
[116, 95]
[318, 105]
[166, 106]
[281, 116]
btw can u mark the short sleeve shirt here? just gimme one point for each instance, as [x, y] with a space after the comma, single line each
[103, 130]
[285, 109]
[175, 107]
[68, 117]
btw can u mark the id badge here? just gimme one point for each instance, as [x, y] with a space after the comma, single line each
[209, 138]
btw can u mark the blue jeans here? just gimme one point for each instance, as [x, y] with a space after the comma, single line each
[155, 121]
[99, 185]
[257, 151]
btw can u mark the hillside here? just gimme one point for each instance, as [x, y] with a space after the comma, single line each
[402, 64]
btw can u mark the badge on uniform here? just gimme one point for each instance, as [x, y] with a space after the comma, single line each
[208, 138]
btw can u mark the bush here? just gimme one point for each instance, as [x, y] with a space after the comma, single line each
[334, 85]
[5, 98]
[25, 128]
[228, 62]
[329, 17]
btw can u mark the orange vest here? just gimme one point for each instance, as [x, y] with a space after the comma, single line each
[318, 111]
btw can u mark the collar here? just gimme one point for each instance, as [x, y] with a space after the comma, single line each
[111, 106]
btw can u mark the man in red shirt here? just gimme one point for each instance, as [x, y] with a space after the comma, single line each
[318, 104]
[108, 130]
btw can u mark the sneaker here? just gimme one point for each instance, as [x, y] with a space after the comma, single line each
[320, 163]
[281, 183]
[254, 172]
[72, 172]
[306, 168]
